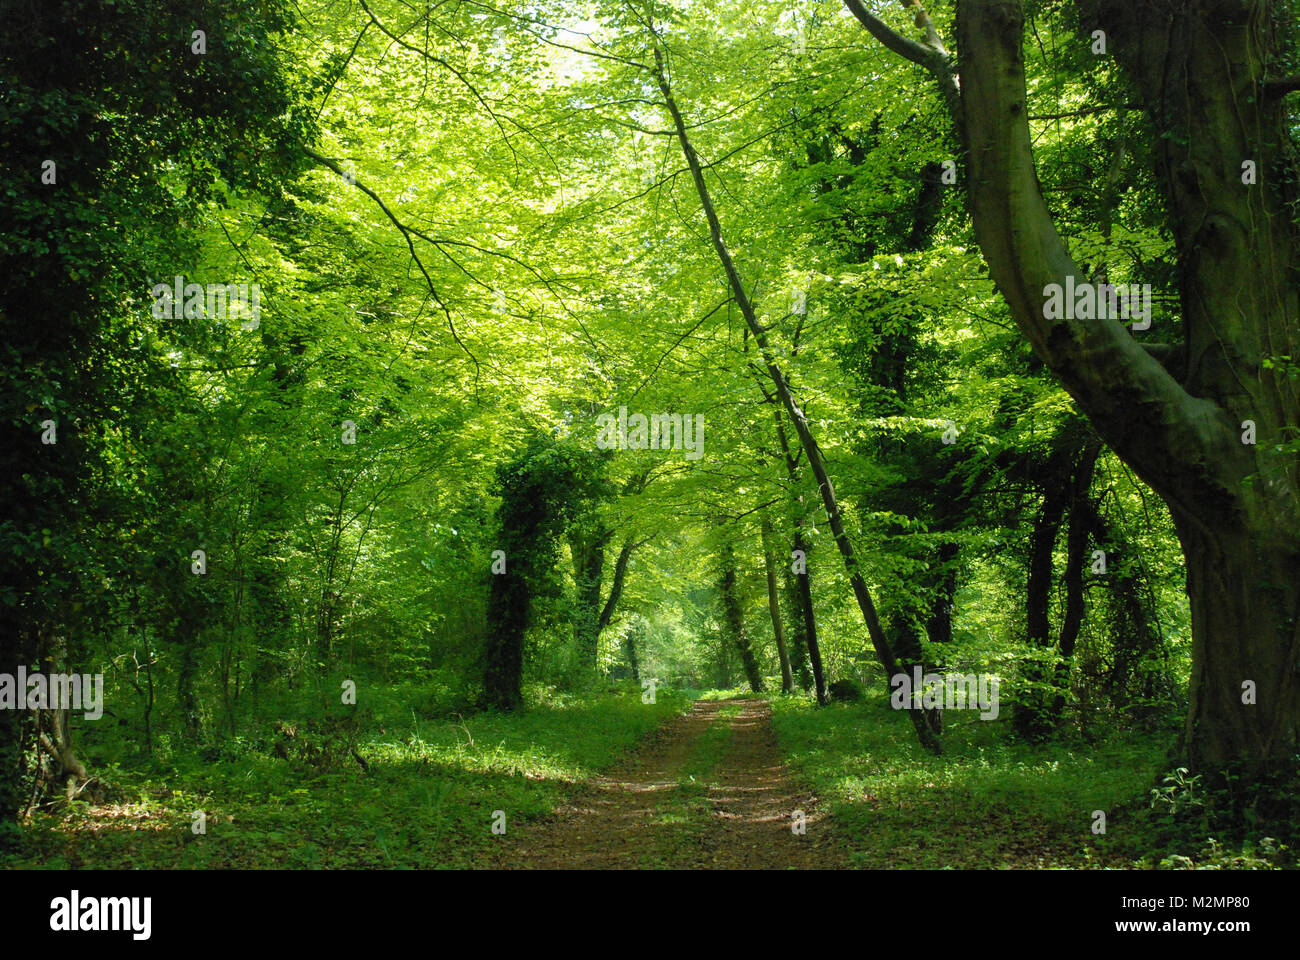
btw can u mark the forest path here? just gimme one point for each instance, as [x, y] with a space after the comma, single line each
[709, 790]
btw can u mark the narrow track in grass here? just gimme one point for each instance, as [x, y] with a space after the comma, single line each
[708, 790]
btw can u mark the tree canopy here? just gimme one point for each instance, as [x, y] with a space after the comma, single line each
[381, 374]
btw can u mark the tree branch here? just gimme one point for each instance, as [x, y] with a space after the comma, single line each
[410, 245]
[1126, 393]
[932, 55]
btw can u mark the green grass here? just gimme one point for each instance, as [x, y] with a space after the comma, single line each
[987, 802]
[427, 801]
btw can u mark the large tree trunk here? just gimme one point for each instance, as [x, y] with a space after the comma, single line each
[1244, 597]
[508, 612]
[1199, 68]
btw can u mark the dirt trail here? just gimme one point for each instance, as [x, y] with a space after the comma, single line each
[708, 790]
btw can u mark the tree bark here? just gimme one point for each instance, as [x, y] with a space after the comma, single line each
[1076, 552]
[810, 623]
[186, 696]
[587, 547]
[61, 769]
[1032, 719]
[801, 548]
[616, 587]
[633, 653]
[508, 612]
[938, 627]
[795, 629]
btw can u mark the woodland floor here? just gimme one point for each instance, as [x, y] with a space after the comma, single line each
[708, 789]
[605, 781]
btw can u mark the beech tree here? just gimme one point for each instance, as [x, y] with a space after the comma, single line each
[1209, 420]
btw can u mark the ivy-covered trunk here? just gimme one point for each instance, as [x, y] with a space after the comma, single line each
[587, 546]
[508, 611]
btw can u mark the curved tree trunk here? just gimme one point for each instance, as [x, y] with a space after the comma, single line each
[1200, 71]
[616, 587]
[1200, 68]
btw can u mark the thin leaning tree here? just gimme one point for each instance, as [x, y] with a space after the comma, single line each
[924, 720]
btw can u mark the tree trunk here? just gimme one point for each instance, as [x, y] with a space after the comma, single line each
[1244, 596]
[803, 582]
[938, 627]
[1076, 551]
[810, 621]
[733, 614]
[796, 631]
[633, 656]
[588, 550]
[61, 770]
[1200, 73]
[508, 611]
[186, 697]
[15, 726]
[616, 588]
[1032, 719]
[774, 607]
